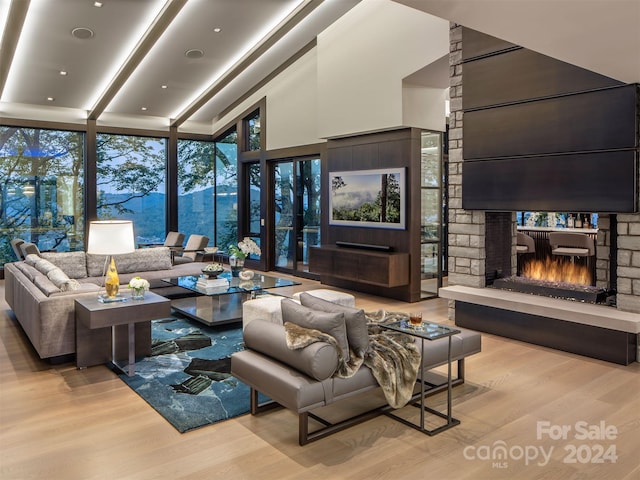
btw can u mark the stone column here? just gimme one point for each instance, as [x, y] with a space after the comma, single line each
[466, 228]
[628, 271]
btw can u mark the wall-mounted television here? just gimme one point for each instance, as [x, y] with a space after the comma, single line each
[368, 198]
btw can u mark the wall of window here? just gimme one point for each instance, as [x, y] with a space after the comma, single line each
[226, 190]
[41, 189]
[131, 183]
[196, 188]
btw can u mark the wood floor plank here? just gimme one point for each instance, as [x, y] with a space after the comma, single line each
[57, 422]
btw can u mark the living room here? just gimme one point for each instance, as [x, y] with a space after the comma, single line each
[53, 413]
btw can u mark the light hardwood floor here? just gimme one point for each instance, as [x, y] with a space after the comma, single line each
[57, 422]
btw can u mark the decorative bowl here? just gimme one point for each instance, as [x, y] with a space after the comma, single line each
[213, 270]
[212, 273]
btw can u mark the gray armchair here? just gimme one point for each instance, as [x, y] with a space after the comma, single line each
[195, 244]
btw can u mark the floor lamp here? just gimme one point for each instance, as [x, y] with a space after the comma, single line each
[111, 237]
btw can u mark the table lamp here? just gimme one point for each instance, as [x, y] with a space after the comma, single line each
[110, 237]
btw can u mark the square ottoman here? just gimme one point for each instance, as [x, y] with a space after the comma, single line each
[341, 298]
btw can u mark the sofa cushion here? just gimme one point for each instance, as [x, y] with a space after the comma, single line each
[318, 360]
[355, 321]
[330, 323]
[62, 281]
[29, 270]
[45, 285]
[74, 264]
[142, 260]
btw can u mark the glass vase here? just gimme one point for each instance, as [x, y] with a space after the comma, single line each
[137, 293]
[236, 264]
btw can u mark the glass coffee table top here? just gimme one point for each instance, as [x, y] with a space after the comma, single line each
[236, 285]
[216, 305]
[428, 331]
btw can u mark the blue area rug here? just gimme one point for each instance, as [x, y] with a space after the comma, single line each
[187, 378]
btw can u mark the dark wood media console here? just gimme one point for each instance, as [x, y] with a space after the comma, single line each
[382, 268]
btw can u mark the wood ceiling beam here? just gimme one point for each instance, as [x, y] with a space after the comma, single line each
[13, 27]
[151, 36]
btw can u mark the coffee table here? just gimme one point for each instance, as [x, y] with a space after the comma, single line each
[224, 304]
[430, 332]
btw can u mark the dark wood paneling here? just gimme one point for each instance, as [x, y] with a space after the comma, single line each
[590, 182]
[599, 120]
[523, 74]
[384, 269]
[596, 342]
[477, 44]
[389, 149]
[498, 228]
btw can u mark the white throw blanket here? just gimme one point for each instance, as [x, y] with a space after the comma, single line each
[393, 357]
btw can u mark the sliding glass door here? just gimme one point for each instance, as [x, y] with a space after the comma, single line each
[431, 195]
[297, 213]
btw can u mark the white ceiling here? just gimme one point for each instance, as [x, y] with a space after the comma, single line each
[600, 35]
[140, 45]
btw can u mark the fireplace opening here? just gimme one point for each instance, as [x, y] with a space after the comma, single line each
[557, 278]
[557, 270]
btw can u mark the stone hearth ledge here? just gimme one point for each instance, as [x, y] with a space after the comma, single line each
[577, 312]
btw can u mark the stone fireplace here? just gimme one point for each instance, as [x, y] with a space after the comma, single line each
[482, 247]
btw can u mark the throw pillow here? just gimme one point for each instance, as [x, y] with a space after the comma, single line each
[330, 323]
[62, 281]
[31, 259]
[43, 266]
[355, 320]
[72, 263]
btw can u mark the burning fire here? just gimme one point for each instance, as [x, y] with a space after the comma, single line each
[552, 270]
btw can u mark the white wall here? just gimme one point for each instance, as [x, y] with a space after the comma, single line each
[362, 59]
[352, 81]
[424, 107]
[291, 105]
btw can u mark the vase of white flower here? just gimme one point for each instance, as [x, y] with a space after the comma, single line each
[238, 254]
[138, 286]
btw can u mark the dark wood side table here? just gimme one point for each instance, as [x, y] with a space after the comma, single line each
[101, 328]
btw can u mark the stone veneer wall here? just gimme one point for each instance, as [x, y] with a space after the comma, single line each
[466, 229]
[603, 252]
[628, 298]
[467, 251]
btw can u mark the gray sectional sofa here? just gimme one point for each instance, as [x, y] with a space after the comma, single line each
[41, 290]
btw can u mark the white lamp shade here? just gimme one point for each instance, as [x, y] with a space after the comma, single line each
[111, 237]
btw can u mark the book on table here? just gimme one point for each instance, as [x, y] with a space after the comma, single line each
[212, 283]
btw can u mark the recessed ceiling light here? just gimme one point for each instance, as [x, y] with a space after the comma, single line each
[144, 109]
[163, 86]
[97, 4]
[63, 73]
[50, 99]
[217, 29]
[194, 53]
[83, 33]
